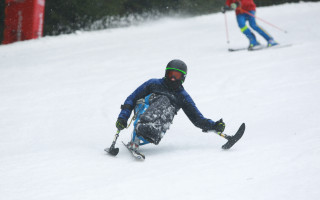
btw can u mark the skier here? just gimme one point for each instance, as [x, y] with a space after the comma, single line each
[245, 11]
[156, 102]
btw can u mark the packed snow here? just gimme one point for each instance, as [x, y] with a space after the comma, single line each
[60, 97]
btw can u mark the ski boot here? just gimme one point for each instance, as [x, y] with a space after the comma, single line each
[271, 43]
[254, 45]
[134, 144]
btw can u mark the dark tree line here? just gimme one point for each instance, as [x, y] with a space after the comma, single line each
[67, 16]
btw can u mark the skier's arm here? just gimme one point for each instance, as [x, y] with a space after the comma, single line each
[131, 100]
[195, 116]
[228, 3]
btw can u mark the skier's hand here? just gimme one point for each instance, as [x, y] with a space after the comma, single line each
[219, 126]
[224, 9]
[121, 124]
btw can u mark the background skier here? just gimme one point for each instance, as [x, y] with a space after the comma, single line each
[156, 102]
[245, 11]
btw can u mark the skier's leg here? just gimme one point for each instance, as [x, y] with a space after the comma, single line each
[241, 19]
[135, 141]
[149, 132]
[260, 30]
[156, 120]
[141, 106]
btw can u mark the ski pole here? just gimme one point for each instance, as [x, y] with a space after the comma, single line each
[264, 21]
[112, 150]
[226, 25]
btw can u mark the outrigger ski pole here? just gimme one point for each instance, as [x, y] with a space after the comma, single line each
[112, 150]
[232, 139]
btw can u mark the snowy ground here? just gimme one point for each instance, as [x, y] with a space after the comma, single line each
[60, 97]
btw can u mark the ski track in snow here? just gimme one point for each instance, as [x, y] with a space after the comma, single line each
[60, 97]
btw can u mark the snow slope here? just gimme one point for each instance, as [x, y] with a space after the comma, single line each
[60, 97]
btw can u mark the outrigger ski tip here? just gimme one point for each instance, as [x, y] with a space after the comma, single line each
[112, 151]
[233, 139]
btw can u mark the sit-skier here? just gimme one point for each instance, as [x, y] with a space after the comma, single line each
[156, 102]
[245, 11]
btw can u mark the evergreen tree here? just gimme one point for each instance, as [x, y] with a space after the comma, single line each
[63, 16]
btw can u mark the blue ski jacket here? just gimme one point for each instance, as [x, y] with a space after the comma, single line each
[179, 99]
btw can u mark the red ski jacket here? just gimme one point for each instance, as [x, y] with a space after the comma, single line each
[247, 5]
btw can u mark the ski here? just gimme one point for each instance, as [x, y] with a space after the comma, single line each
[233, 139]
[272, 47]
[136, 154]
[237, 49]
[261, 48]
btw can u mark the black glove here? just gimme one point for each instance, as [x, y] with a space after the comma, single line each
[121, 124]
[219, 126]
[224, 9]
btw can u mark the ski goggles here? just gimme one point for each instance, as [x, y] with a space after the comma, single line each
[174, 74]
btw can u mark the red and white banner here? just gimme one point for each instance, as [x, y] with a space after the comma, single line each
[23, 20]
